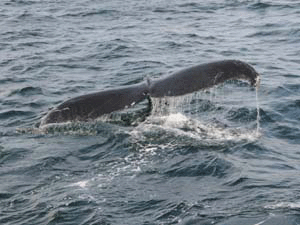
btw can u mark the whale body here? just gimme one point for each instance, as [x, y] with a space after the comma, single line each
[203, 76]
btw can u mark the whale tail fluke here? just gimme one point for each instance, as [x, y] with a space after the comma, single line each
[91, 106]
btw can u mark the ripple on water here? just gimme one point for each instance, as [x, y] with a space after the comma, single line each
[201, 163]
[27, 91]
[207, 166]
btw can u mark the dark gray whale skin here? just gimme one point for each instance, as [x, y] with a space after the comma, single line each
[201, 77]
[90, 106]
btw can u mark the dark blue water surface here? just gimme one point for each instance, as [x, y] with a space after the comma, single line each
[203, 162]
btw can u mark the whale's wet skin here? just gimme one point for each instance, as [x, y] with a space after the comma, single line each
[201, 114]
[91, 106]
[195, 155]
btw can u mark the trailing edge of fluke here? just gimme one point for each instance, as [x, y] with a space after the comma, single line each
[91, 106]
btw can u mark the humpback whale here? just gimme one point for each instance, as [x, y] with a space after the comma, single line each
[203, 76]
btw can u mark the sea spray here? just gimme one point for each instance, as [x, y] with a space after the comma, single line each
[257, 106]
[180, 104]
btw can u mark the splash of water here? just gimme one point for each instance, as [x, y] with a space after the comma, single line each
[192, 112]
[258, 113]
[257, 105]
[178, 104]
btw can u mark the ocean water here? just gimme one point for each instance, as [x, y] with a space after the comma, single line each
[198, 159]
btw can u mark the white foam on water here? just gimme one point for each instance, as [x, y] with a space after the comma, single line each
[259, 223]
[179, 125]
[180, 115]
[81, 184]
[283, 205]
[171, 112]
[170, 125]
[66, 128]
